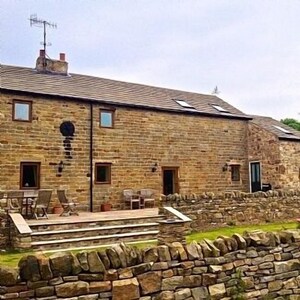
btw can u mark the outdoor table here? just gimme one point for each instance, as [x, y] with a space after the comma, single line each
[26, 203]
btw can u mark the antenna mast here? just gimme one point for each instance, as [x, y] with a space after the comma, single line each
[34, 21]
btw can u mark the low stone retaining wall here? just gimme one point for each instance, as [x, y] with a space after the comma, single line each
[256, 265]
[4, 230]
[211, 210]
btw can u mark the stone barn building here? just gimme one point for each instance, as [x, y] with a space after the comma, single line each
[96, 137]
[274, 154]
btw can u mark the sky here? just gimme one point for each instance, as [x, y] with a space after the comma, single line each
[249, 49]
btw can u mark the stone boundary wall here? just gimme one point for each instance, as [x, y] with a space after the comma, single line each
[210, 210]
[257, 265]
[4, 230]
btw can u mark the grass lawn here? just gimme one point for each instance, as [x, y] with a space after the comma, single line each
[229, 231]
[12, 258]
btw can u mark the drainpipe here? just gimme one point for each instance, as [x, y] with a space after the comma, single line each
[91, 157]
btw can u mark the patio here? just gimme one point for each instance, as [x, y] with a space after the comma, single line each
[86, 230]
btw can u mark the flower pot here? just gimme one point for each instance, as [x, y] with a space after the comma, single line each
[57, 209]
[106, 207]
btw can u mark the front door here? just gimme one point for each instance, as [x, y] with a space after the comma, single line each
[170, 180]
[255, 177]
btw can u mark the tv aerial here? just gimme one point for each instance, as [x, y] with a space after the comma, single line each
[35, 21]
[216, 91]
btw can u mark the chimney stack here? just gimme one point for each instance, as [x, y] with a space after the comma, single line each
[62, 56]
[52, 66]
[42, 53]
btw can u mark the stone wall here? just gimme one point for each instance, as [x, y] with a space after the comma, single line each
[264, 148]
[41, 141]
[280, 159]
[257, 265]
[4, 230]
[198, 146]
[209, 210]
[290, 164]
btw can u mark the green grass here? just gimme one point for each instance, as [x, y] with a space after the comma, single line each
[12, 258]
[229, 231]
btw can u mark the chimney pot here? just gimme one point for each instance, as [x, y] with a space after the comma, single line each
[42, 53]
[62, 56]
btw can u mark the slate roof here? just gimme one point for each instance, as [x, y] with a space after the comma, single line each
[269, 124]
[89, 88]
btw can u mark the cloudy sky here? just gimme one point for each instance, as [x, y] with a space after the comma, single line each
[250, 49]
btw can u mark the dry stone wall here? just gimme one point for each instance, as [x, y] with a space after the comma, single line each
[257, 265]
[210, 210]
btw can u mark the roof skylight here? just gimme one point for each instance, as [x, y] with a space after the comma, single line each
[219, 108]
[282, 129]
[183, 103]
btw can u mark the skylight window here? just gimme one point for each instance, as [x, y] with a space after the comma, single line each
[282, 129]
[219, 108]
[183, 103]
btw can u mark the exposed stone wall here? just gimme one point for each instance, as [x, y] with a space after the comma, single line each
[280, 159]
[199, 146]
[3, 230]
[211, 210]
[257, 265]
[290, 164]
[264, 147]
[41, 141]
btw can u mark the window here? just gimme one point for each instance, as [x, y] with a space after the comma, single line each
[30, 175]
[22, 111]
[103, 173]
[235, 173]
[107, 118]
[219, 108]
[183, 103]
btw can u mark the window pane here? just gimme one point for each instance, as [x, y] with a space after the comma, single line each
[22, 111]
[103, 173]
[29, 176]
[106, 119]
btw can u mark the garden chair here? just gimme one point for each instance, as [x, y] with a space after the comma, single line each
[147, 196]
[40, 206]
[14, 201]
[131, 198]
[69, 206]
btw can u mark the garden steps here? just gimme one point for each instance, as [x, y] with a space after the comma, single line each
[95, 240]
[94, 229]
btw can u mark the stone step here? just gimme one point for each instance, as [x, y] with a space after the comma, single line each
[91, 231]
[74, 223]
[95, 241]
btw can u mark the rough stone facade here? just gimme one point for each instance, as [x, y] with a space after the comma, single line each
[257, 265]
[210, 210]
[199, 146]
[280, 159]
[289, 168]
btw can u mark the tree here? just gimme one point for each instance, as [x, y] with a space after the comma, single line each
[292, 123]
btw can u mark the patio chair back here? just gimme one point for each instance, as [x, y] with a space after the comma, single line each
[68, 205]
[128, 194]
[41, 204]
[147, 196]
[146, 193]
[130, 198]
[61, 194]
[15, 200]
